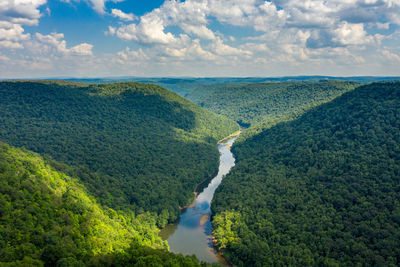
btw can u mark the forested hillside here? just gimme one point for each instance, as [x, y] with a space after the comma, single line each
[136, 147]
[266, 103]
[48, 218]
[322, 190]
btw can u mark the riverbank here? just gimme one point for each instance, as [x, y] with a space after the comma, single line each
[192, 234]
[198, 189]
[237, 133]
[221, 251]
[206, 181]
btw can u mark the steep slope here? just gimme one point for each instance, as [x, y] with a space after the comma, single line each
[322, 190]
[134, 146]
[47, 217]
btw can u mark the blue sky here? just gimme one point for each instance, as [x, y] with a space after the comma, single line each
[98, 38]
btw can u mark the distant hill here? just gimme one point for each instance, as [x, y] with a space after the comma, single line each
[262, 105]
[137, 147]
[48, 218]
[184, 86]
[322, 190]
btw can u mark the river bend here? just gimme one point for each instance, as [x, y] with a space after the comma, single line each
[192, 234]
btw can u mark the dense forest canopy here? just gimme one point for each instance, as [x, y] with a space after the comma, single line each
[48, 218]
[262, 105]
[134, 146]
[249, 104]
[322, 190]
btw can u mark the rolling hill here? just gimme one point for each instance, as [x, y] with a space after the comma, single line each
[136, 147]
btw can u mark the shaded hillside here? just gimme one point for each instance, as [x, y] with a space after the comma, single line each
[134, 146]
[322, 190]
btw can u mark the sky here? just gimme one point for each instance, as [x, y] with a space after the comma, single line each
[199, 38]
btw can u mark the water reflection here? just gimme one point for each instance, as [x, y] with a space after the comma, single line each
[192, 235]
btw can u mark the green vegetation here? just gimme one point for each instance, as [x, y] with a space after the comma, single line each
[262, 105]
[322, 190]
[48, 217]
[136, 147]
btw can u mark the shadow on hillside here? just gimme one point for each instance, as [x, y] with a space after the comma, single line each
[123, 148]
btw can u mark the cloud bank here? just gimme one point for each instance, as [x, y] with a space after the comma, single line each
[227, 37]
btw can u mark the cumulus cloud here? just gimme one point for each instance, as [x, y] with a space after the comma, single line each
[201, 31]
[121, 15]
[296, 32]
[149, 30]
[83, 49]
[225, 50]
[11, 35]
[13, 16]
[291, 33]
[331, 23]
[351, 34]
[55, 44]
[193, 51]
[23, 12]
[129, 55]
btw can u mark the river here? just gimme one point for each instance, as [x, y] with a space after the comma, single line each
[192, 234]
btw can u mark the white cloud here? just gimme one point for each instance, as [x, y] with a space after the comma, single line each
[13, 15]
[201, 31]
[123, 16]
[54, 44]
[280, 36]
[296, 33]
[391, 56]
[11, 35]
[149, 30]
[193, 51]
[111, 31]
[383, 26]
[129, 55]
[351, 34]
[23, 12]
[83, 49]
[225, 50]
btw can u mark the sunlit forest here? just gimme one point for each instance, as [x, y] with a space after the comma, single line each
[48, 218]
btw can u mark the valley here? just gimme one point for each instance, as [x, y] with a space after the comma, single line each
[192, 234]
[199, 133]
[90, 173]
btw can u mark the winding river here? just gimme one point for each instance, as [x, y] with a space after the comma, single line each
[192, 234]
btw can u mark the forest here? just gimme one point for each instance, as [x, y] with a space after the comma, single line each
[267, 103]
[321, 190]
[135, 147]
[49, 219]
[89, 172]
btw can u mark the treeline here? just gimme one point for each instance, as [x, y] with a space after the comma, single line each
[322, 190]
[136, 147]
